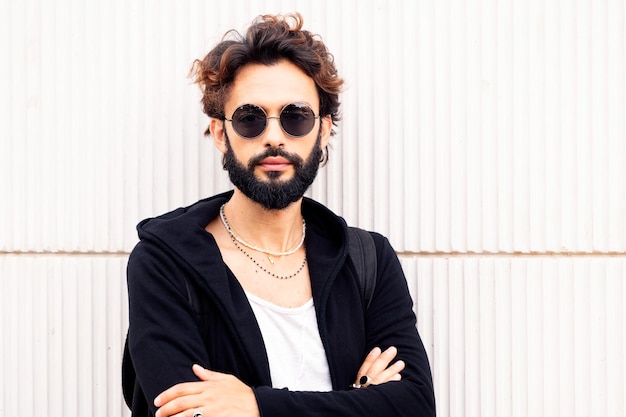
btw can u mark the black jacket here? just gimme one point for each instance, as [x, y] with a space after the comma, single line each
[176, 256]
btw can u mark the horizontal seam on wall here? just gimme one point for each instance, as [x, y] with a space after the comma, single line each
[512, 254]
[400, 254]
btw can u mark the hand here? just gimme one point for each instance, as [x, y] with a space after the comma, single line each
[376, 369]
[217, 394]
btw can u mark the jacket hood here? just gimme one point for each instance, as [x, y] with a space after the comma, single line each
[170, 227]
[182, 233]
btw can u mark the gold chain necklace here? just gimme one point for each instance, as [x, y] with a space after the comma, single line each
[267, 253]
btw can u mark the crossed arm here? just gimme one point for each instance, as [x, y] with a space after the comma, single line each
[219, 394]
[391, 322]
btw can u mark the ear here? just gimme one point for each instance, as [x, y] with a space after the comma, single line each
[216, 127]
[327, 125]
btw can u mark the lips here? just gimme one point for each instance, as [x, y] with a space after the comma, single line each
[274, 163]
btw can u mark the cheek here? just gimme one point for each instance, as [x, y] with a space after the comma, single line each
[243, 154]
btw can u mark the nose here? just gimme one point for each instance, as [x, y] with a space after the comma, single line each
[273, 135]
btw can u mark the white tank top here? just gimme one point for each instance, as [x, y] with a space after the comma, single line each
[295, 352]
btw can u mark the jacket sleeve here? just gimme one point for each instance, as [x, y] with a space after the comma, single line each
[163, 337]
[389, 321]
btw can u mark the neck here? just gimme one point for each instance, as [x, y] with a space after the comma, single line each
[273, 230]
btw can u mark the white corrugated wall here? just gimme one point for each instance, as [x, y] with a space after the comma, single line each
[485, 138]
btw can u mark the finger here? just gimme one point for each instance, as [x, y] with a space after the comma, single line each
[389, 354]
[192, 412]
[177, 407]
[177, 391]
[367, 363]
[209, 375]
[392, 373]
[382, 362]
[369, 360]
[396, 367]
[201, 372]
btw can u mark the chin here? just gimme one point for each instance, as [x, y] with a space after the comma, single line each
[277, 175]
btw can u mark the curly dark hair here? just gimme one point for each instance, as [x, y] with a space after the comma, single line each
[269, 39]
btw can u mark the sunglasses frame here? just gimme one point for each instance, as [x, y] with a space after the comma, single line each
[280, 121]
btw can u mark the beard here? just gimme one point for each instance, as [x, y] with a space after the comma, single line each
[274, 193]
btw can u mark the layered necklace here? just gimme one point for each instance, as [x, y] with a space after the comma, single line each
[238, 241]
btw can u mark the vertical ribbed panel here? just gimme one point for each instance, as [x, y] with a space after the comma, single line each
[63, 323]
[516, 337]
[469, 126]
[527, 336]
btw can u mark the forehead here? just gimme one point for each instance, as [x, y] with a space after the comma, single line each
[272, 87]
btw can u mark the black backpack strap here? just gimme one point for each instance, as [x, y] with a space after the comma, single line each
[133, 395]
[128, 375]
[362, 251]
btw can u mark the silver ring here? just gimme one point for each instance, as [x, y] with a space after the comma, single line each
[197, 413]
[364, 380]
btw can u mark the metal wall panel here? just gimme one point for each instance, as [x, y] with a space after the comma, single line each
[485, 138]
[64, 318]
[523, 336]
[505, 336]
[468, 126]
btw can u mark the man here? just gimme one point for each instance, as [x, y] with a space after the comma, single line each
[247, 303]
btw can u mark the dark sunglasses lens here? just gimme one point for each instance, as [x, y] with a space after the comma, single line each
[249, 121]
[297, 119]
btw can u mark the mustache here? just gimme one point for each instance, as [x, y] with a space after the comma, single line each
[294, 159]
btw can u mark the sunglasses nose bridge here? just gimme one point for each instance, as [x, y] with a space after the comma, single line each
[272, 117]
[274, 133]
[267, 122]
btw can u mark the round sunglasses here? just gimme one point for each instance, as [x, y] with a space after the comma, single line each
[250, 120]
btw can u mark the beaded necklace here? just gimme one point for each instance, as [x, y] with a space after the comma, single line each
[267, 253]
[237, 244]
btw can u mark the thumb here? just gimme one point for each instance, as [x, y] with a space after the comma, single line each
[202, 373]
